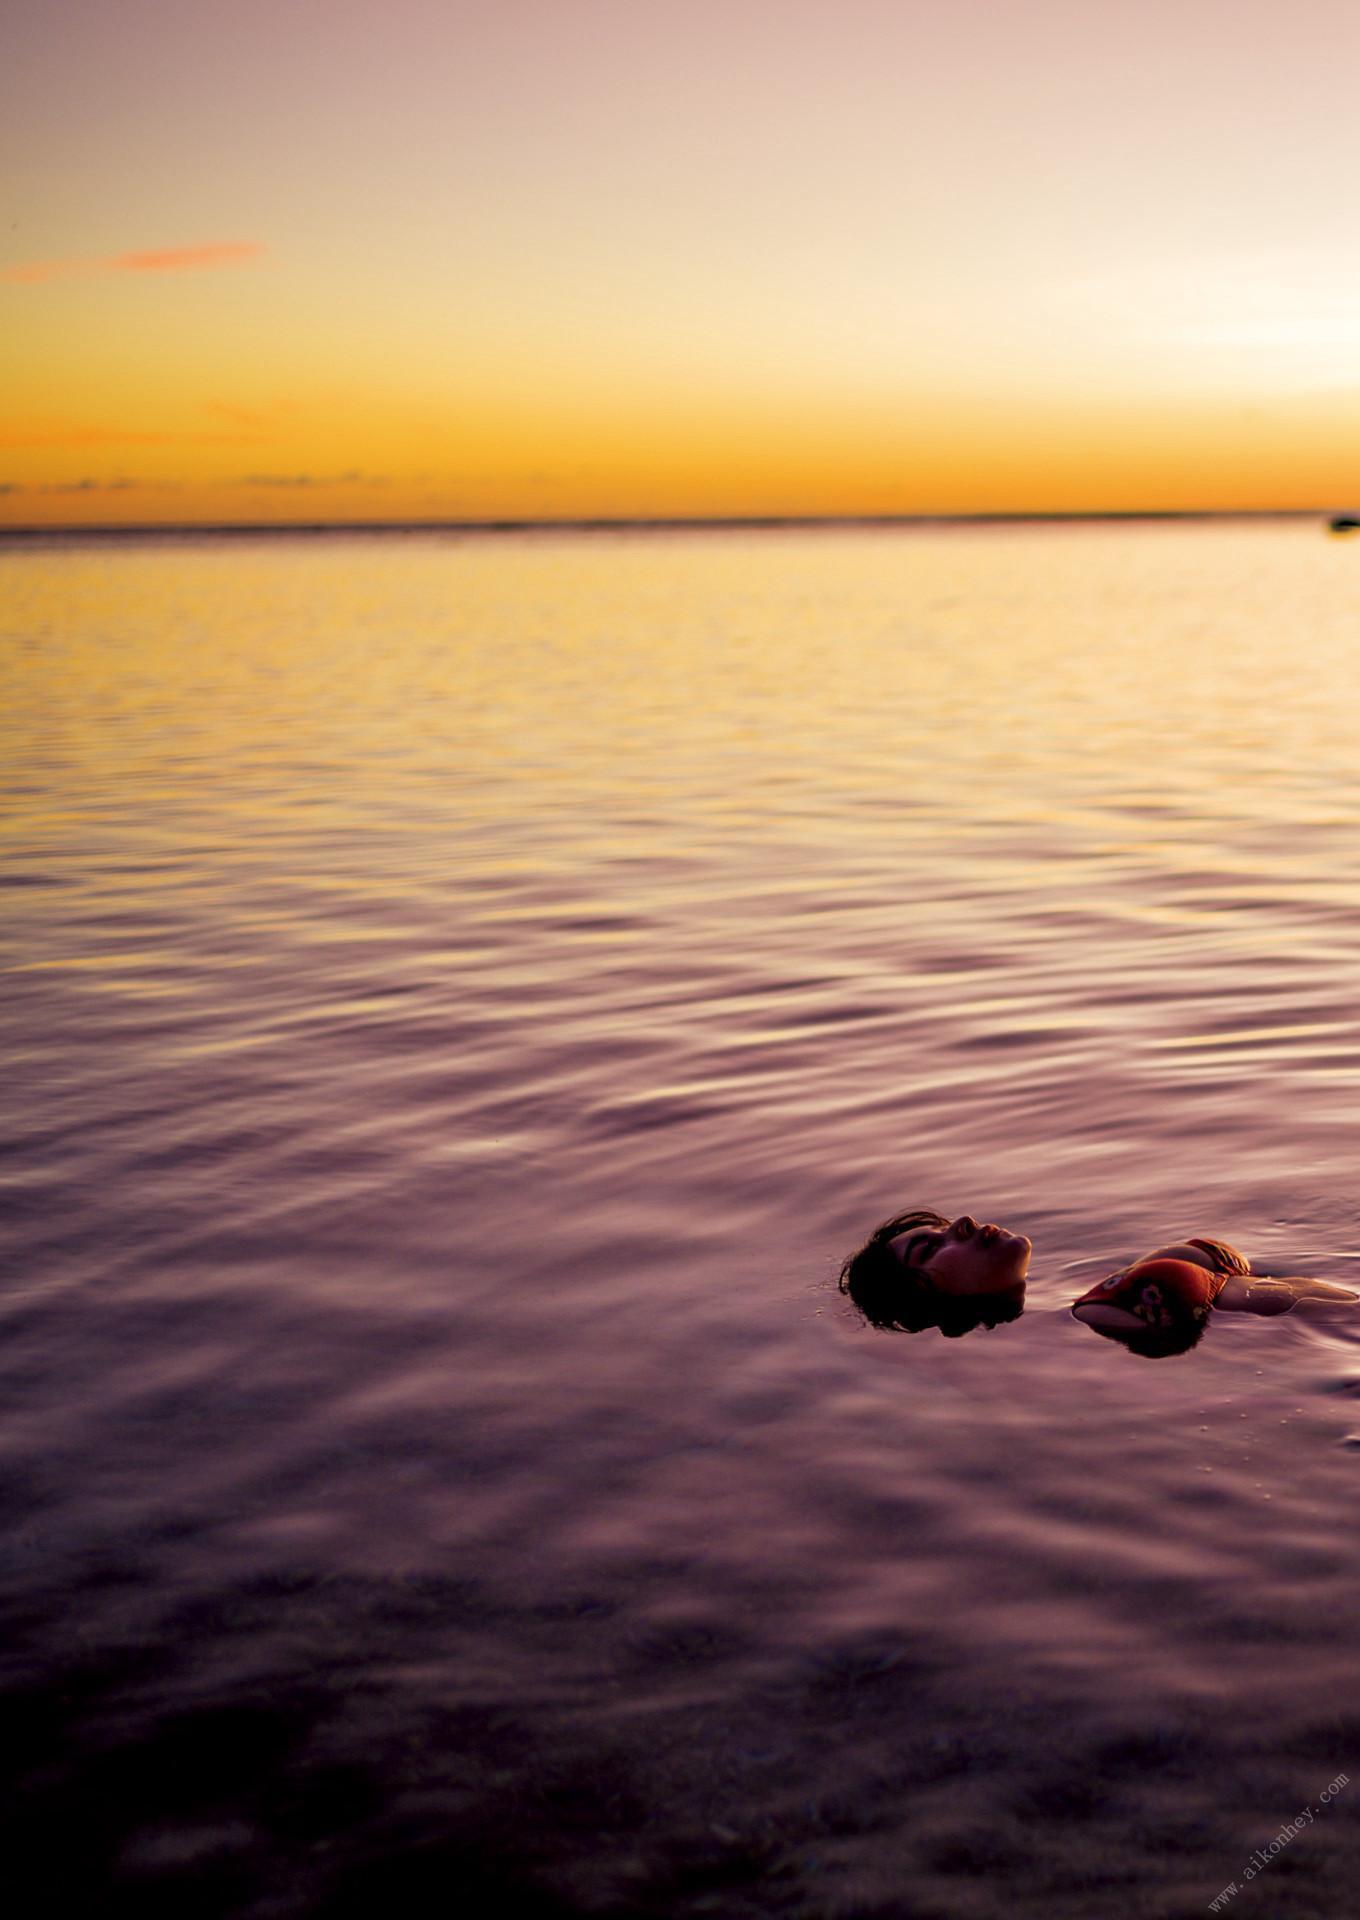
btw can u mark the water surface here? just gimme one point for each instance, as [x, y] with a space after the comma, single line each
[464, 996]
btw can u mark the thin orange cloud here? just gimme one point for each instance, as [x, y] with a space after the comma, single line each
[187, 259]
[222, 253]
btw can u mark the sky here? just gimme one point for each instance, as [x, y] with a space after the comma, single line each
[324, 260]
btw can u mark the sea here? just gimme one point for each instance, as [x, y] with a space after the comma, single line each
[465, 992]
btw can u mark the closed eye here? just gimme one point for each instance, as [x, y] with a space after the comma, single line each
[920, 1247]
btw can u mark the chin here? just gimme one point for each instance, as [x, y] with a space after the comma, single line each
[1017, 1264]
[995, 1267]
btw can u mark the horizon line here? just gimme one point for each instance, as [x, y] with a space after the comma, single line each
[603, 523]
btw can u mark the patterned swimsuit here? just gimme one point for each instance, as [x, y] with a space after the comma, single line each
[1169, 1293]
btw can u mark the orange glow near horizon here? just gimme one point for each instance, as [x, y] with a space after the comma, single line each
[590, 260]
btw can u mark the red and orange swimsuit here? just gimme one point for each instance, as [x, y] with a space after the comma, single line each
[1169, 1293]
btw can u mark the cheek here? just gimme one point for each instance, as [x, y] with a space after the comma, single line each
[967, 1267]
[950, 1263]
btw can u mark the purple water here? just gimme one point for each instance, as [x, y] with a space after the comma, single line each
[464, 996]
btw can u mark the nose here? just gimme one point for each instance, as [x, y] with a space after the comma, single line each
[965, 1226]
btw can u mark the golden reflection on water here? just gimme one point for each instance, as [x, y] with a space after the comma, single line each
[820, 826]
[1161, 722]
[774, 678]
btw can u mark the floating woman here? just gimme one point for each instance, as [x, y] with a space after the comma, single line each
[922, 1270]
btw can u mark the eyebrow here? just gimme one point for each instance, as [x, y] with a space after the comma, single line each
[914, 1243]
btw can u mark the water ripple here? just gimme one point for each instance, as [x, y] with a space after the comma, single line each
[463, 998]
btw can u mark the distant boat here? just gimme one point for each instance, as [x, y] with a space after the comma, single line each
[1344, 523]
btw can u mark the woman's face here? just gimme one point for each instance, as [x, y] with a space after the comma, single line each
[962, 1257]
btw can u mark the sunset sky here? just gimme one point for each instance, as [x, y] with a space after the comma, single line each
[330, 259]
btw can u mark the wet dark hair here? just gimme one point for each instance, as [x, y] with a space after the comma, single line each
[898, 1299]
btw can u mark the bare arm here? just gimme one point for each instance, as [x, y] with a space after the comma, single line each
[1307, 1289]
[1243, 1294]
